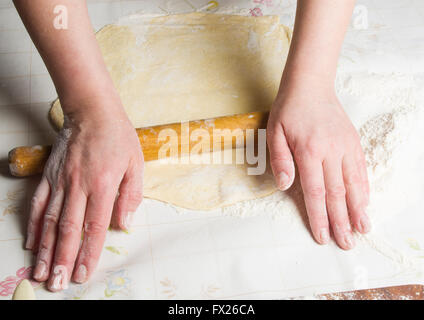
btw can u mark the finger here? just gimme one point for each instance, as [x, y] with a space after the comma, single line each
[312, 181]
[129, 198]
[355, 195]
[69, 238]
[336, 203]
[96, 223]
[280, 156]
[38, 205]
[362, 165]
[48, 236]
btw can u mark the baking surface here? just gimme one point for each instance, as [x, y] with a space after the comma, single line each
[174, 254]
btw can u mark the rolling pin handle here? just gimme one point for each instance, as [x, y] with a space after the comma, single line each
[28, 161]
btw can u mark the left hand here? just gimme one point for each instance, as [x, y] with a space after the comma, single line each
[92, 177]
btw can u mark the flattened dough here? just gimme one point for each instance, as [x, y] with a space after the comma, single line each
[188, 67]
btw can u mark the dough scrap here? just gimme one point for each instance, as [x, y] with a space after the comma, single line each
[24, 291]
[188, 67]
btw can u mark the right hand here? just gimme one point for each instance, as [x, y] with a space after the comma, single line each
[93, 177]
[307, 124]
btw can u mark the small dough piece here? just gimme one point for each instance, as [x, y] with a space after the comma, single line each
[188, 67]
[24, 291]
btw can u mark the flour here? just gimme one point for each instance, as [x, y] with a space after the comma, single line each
[384, 248]
[55, 163]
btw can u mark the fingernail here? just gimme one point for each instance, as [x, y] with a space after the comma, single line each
[60, 278]
[40, 270]
[283, 181]
[349, 242]
[127, 220]
[81, 274]
[365, 224]
[29, 241]
[324, 236]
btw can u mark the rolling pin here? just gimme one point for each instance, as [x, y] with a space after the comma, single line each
[27, 161]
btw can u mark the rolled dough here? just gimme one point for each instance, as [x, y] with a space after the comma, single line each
[189, 67]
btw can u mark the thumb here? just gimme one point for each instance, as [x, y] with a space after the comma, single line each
[280, 156]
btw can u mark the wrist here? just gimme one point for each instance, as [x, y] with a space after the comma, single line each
[300, 84]
[85, 87]
[94, 110]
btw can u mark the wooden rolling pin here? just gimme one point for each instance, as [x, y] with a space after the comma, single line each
[27, 161]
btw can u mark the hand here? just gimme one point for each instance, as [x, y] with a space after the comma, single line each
[93, 176]
[308, 123]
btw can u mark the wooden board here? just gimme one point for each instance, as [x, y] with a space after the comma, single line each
[408, 292]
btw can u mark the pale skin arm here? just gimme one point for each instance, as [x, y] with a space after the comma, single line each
[95, 157]
[307, 124]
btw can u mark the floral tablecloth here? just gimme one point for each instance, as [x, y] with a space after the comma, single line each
[173, 254]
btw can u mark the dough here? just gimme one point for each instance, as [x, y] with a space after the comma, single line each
[24, 291]
[188, 67]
